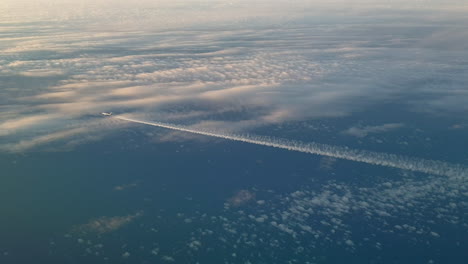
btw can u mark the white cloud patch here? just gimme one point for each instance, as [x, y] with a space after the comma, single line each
[361, 132]
[106, 224]
[42, 73]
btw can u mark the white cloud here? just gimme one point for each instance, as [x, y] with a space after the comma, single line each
[42, 73]
[361, 132]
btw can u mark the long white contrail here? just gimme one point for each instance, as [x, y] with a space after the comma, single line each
[376, 158]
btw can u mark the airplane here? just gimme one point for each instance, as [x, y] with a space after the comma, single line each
[106, 114]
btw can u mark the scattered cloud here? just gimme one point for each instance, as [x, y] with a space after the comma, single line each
[317, 218]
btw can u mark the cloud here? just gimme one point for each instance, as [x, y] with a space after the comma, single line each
[56, 95]
[328, 214]
[106, 224]
[70, 135]
[361, 132]
[308, 221]
[260, 74]
[42, 73]
[125, 186]
[241, 197]
[23, 145]
[236, 67]
[11, 125]
[454, 38]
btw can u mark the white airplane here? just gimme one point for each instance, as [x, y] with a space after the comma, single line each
[106, 114]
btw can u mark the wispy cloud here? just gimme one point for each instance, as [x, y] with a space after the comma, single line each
[11, 125]
[24, 145]
[361, 132]
[106, 224]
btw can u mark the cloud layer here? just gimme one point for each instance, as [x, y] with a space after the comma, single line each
[57, 78]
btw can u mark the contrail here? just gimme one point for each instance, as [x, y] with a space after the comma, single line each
[375, 158]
